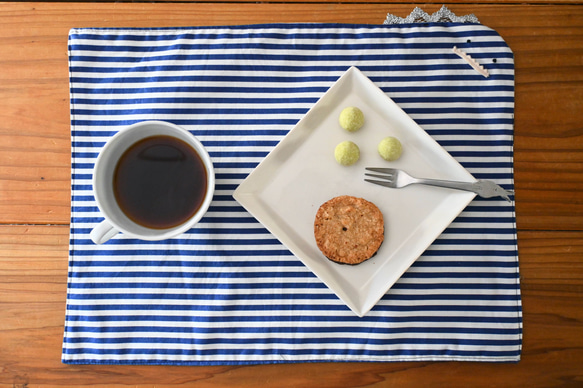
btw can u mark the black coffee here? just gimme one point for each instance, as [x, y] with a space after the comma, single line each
[160, 182]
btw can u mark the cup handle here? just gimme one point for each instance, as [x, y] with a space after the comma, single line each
[103, 232]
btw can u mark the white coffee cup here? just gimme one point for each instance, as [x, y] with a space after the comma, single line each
[115, 219]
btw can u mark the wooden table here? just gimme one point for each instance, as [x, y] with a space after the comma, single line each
[547, 40]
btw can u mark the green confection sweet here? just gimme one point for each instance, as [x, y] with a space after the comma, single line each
[390, 148]
[347, 153]
[351, 119]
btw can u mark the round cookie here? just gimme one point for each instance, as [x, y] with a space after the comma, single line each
[349, 230]
[347, 153]
[390, 148]
[351, 118]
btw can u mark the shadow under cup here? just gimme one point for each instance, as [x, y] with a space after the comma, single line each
[120, 146]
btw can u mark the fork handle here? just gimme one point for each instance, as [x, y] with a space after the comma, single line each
[467, 186]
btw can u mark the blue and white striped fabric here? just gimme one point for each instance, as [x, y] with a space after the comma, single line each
[227, 292]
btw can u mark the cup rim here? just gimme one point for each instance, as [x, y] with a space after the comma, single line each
[166, 233]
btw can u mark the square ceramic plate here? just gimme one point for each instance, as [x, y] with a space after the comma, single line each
[286, 189]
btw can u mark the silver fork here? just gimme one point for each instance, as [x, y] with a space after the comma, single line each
[395, 178]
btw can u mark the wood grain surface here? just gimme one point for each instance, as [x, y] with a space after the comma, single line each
[547, 40]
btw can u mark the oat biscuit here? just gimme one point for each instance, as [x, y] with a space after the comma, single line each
[349, 230]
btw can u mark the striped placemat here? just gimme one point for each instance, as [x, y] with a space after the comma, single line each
[227, 292]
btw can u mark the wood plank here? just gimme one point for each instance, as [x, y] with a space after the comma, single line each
[33, 269]
[34, 138]
[549, 142]
[428, 6]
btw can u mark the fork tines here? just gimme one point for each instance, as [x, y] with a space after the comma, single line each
[387, 173]
[381, 170]
[381, 183]
[387, 176]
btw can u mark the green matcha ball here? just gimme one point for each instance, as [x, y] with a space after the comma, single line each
[347, 153]
[351, 119]
[390, 148]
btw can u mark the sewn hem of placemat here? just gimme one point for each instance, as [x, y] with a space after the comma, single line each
[273, 362]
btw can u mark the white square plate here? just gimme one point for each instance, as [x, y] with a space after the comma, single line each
[286, 189]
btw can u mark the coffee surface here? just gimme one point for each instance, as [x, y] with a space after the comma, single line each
[160, 182]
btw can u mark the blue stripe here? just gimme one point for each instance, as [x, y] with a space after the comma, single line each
[197, 132]
[199, 121]
[453, 286]
[304, 341]
[278, 352]
[460, 275]
[284, 90]
[283, 297]
[271, 69]
[269, 308]
[222, 209]
[199, 297]
[264, 46]
[196, 231]
[465, 231]
[356, 328]
[289, 99]
[190, 275]
[215, 56]
[190, 252]
[270, 318]
[176, 111]
[189, 263]
[271, 79]
[266, 286]
[174, 286]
